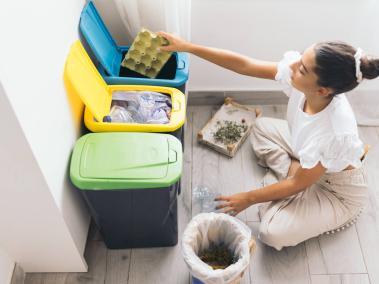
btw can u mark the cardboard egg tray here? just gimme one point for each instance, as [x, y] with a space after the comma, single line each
[143, 55]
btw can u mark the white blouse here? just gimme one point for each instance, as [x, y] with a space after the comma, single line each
[329, 136]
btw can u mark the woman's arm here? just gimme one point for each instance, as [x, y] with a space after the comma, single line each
[224, 58]
[301, 180]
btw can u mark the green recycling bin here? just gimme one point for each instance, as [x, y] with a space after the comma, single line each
[130, 183]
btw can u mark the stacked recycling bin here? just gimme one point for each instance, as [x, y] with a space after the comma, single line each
[128, 173]
[130, 181]
[109, 55]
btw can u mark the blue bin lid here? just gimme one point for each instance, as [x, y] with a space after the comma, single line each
[100, 40]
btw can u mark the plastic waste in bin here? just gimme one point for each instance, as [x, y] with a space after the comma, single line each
[83, 79]
[130, 183]
[110, 55]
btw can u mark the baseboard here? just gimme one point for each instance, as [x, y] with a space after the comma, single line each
[243, 97]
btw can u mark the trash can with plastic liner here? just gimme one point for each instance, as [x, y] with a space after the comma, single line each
[214, 229]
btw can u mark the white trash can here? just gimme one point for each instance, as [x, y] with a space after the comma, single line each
[217, 228]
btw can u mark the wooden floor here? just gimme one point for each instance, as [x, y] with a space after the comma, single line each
[350, 256]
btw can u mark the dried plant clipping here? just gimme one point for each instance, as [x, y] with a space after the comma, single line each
[229, 132]
[218, 256]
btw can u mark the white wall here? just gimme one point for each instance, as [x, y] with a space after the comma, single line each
[112, 19]
[265, 29]
[43, 221]
[6, 268]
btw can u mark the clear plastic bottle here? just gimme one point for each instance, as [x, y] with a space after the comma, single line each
[203, 200]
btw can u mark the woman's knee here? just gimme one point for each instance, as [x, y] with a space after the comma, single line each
[260, 124]
[277, 236]
[259, 134]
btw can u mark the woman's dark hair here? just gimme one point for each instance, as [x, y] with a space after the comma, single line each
[335, 66]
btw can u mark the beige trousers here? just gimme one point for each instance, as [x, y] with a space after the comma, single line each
[332, 202]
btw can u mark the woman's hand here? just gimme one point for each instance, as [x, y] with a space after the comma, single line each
[235, 203]
[175, 43]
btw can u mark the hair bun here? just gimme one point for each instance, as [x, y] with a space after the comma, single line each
[369, 67]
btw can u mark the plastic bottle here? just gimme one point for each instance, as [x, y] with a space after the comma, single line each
[203, 199]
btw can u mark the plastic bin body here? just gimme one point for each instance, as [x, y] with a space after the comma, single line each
[130, 183]
[135, 218]
[83, 79]
[110, 55]
[196, 281]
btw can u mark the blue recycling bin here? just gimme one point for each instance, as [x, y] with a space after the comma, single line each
[196, 281]
[109, 56]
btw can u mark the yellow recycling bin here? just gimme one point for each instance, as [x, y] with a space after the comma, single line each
[82, 78]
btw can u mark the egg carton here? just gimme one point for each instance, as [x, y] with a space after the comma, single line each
[143, 55]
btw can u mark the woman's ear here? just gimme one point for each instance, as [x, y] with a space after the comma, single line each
[324, 92]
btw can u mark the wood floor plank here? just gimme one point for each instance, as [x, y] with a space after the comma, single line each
[218, 172]
[230, 177]
[316, 260]
[341, 279]
[252, 172]
[186, 179]
[158, 265]
[205, 161]
[60, 278]
[18, 276]
[368, 224]
[96, 256]
[368, 233]
[34, 278]
[118, 264]
[187, 172]
[166, 265]
[336, 253]
[355, 279]
[213, 170]
[269, 266]
[161, 265]
[45, 278]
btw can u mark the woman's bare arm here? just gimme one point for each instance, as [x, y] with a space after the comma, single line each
[230, 60]
[302, 179]
[299, 182]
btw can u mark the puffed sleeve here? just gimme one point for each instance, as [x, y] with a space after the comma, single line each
[334, 152]
[283, 75]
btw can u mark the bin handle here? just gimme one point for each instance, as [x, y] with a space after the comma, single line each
[176, 106]
[172, 156]
[182, 65]
[252, 246]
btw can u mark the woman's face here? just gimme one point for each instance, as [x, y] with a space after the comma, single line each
[303, 76]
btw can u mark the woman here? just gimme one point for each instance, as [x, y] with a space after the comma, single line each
[315, 156]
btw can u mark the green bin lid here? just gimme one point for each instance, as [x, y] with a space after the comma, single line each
[126, 160]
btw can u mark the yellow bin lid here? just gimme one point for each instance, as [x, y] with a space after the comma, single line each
[84, 79]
